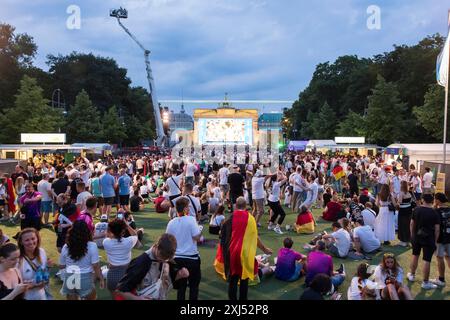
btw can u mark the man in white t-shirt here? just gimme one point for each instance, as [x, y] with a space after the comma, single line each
[100, 230]
[82, 196]
[258, 195]
[338, 242]
[190, 170]
[427, 181]
[364, 238]
[369, 215]
[195, 208]
[185, 229]
[45, 188]
[312, 193]
[223, 180]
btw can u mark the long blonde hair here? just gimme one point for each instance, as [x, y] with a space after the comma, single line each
[20, 182]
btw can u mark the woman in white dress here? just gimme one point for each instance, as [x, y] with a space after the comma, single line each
[385, 220]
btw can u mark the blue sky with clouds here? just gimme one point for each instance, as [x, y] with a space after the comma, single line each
[252, 49]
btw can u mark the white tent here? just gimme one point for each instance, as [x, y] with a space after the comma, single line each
[417, 152]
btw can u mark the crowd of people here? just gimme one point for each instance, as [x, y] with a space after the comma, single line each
[367, 203]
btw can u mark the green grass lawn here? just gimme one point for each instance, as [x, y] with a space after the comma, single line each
[214, 287]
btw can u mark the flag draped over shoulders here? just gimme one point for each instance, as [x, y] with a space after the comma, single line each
[237, 248]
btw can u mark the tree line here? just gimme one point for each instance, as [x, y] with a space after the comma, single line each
[391, 97]
[100, 103]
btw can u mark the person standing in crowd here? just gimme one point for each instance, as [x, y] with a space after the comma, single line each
[145, 270]
[118, 251]
[19, 172]
[87, 215]
[67, 214]
[239, 240]
[443, 242]
[75, 176]
[60, 186]
[224, 172]
[425, 230]
[278, 181]
[30, 208]
[416, 185]
[389, 279]
[406, 202]
[174, 185]
[12, 286]
[385, 221]
[107, 187]
[33, 260]
[94, 187]
[44, 187]
[82, 196]
[236, 182]
[79, 259]
[427, 180]
[124, 183]
[185, 229]
[190, 170]
[353, 182]
[258, 196]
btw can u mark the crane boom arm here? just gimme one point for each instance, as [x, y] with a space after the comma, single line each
[161, 137]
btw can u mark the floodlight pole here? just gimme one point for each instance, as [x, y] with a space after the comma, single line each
[446, 102]
[161, 137]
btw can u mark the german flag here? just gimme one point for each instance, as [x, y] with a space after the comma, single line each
[338, 172]
[237, 248]
[305, 223]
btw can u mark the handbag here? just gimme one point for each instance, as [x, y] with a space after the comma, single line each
[153, 291]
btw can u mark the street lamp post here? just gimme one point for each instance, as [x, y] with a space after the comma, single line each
[58, 103]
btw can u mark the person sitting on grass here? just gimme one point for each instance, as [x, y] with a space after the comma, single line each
[136, 201]
[361, 287]
[160, 205]
[305, 221]
[364, 239]
[319, 262]
[320, 286]
[389, 278]
[332, 209]
[129, 220]
[338, 242]
[289, 262]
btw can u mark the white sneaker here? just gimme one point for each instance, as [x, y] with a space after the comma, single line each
[411, 277]
[271, 227]
[438, 282]
[278, 230]
[428, 285]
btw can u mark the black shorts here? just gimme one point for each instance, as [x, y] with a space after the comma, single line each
[124, 200]
[61, 238]
[108, 201]
[233, 197]
[193, 266]
[100, 202]
[31, 223]
[428, 251]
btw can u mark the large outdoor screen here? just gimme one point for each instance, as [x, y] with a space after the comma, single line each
[225, 131]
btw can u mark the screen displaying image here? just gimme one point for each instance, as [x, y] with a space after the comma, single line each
[225, 131]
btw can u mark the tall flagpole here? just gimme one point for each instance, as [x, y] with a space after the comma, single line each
[446, 103]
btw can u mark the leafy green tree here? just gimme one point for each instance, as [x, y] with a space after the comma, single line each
[113, 127]
[106, 83]
[16, 53]
[31, 114]
[431, 114]
[83, 121]
[324, 124]
[352, 126]
[387, 118]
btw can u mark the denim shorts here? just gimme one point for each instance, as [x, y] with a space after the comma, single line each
[80, 284]
[46, 206]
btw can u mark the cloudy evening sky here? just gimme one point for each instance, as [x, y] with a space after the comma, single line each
[253, 49]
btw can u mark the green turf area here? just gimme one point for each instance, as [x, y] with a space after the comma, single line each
[213, 287]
